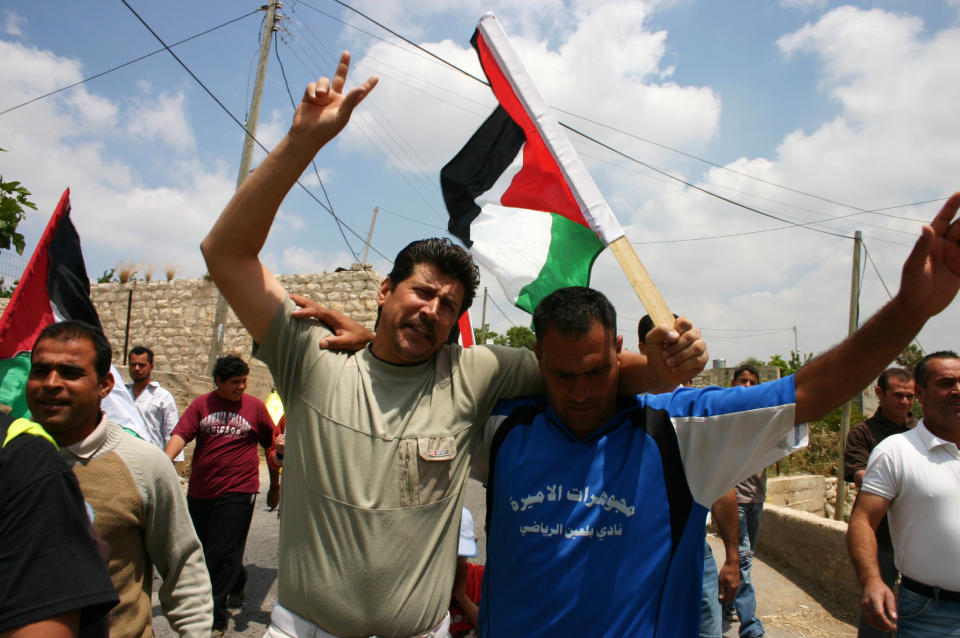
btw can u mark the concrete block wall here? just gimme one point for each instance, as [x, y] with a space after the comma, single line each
[814, 547]
[175, 320]
[723, 376]
[805, 493]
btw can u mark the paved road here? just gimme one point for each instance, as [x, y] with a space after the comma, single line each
[785, 609]
[260, 559]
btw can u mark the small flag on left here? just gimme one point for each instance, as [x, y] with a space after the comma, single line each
[53, 287]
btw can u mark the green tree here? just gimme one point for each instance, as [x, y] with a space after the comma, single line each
[491, 336]
[13, 199]
[791, 366]
[5, 291]
[910, 357]
[107, 276]
[752, 361]
[520, 337]
[777, 360]
[516, 337]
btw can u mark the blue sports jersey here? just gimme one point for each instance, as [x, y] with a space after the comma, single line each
[604, 536]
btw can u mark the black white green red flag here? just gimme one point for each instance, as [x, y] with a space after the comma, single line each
[53, 287]
[518, 193]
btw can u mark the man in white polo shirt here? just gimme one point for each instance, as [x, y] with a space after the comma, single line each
[914, 478]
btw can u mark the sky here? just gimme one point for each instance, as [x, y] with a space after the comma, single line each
[824, 117]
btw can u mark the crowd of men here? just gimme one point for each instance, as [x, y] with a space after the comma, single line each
[600, 466]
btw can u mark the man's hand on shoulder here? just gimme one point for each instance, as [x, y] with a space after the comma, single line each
[677, 354]
[347, 335]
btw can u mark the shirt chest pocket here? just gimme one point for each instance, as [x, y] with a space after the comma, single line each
[426, 469]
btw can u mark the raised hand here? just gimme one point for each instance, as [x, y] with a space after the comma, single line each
[931, 273]
[325, 109]
[678, 354]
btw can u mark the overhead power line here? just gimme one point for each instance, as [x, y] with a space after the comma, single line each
[128, 63]
[689, 155]
[411, 42]
[238, 122]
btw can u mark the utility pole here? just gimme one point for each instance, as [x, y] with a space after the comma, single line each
[845, 417]
[366, 247]
[483, 318]
[269, 26]
[796, 342]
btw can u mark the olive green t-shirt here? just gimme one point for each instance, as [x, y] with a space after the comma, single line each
[376, 459]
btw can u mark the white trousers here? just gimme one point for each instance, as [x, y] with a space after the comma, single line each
[286, 624]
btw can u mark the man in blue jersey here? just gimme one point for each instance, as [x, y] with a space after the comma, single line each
[596, 503]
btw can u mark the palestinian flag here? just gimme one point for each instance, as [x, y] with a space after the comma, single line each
[518, 194]
[53, 287]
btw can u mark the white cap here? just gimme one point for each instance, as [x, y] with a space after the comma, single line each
[468, 540]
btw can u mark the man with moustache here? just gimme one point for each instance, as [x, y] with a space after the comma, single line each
[914, 479]
[379, 442]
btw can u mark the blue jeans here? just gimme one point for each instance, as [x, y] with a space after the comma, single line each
[923, 617]
[711, 625]
[746, 601]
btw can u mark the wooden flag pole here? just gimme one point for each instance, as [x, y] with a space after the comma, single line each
[650, 297]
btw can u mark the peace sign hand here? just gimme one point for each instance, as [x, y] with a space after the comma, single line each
[325, 109]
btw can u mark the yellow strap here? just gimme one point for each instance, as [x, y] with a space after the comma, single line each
[24, 426]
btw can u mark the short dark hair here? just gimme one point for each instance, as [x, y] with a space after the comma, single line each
[230, 366]
[444, 255]
[921, 375]
[70, 329]
[744, 367]
[141, 350]
[892, 373]
[573, 310]
[645, 326]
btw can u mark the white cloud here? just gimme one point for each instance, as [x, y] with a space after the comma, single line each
[606, 65]
[302, 260]
[74, 142]
[805, 5]
[13, 23]
[896, 86]
[289, 220]
[162, 119]
[270, 132]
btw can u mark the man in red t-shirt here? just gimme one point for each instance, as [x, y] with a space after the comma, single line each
[224, 476]
[464, 609]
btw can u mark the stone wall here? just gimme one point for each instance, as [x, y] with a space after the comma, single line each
[806, 493]
[723, 376]
[175, 320]
[816, 548]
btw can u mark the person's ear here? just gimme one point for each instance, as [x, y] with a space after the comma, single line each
[106, 385]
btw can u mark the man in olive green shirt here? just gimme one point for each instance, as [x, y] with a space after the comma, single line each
[379, 442]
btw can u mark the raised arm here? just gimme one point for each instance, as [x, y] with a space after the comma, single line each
[232, 247]
[930, 279]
